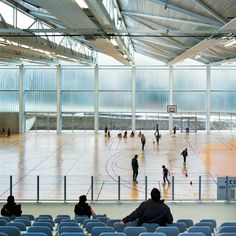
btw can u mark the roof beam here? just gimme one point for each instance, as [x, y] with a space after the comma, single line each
[171, 19]
[187, 12]
[211, 11]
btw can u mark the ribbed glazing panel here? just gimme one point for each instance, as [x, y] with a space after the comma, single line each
[9, 101]
[223, 79]
[115, 101]
[150, 79]
[9, 78]
[77, 101]
[115, 79]
[40, 101]
[223, 101]
[77, 78]
[187, 79]
[40, 79]
[151, 101]
[190, 101]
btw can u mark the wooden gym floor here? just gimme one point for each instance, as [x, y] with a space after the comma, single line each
[81, 155]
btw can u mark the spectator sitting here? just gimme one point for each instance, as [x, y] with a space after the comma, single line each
[108, 134]
[11, 209]
[119, 135]
[151, 211]
[125, 134]
[83, 208]
[139, 134]
[8, 132]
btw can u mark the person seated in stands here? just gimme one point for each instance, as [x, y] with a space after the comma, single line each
[11, 209]
[119, 135]
[8, 132]
[82, 208]
[151, 211]
[139, 134]
[105, 130]
[125, 134]
[3, 131]
[108, 134]
[132, 134]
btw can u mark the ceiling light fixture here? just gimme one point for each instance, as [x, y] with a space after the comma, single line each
[82, 4]
[230, 42]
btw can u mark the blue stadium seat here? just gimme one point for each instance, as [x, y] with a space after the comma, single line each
[99, 215]
[61, 217]
[10, 230]
[70, 229]
[48, 224]
[69, 220]
[72, 234]
[103, 219]
[227, 229]
[80, 219]
[118, 227]
[5, 218]
[70, 224]
[151, 227]
[209, 220]
[26, 221]
[180, 225]
[45, 220]
[168, 230]
[19, 225]
[113, 234]
[31, 217]
[91, 225]
[200, 229]
[2, 222]
[40, 229]
[152, 234]
[33, 234]
[188, 222]
[111, 222]
[209, 224]
[3, 234]
[96, 231]
[45, 216]
[228, 224]
[227, 234]
[134, 230]
[86, 221]
[192, 234]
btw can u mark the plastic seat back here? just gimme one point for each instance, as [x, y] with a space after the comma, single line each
[188, 222]
[209, 224]
[134, 230]
[71, 229]
[21, 226]
[152, 234]
[40, 229]
[200, 229]
[69, 224]
[228, 224]
[33, 234]
[227, 234]
[168, 230]
[6, 218]
[80, 219]
[209, 220]
[2, 222]
[111, 222]
[86, 221]
[99, 215]
[112, 234]
[180, 225]
[25, 221]
[192, 234]
[227, 229]
[103, 219]
[45, 220]
[96, 231]
[48, 224]
[31, 217]
[10, 230]
[72, 234]
[151, 227]
[91, 225]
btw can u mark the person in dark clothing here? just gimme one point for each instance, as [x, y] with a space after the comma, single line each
[105, 130]
[11, 209]
[174, 130]
[143, 141]
[83, 208]
[151, 211]
[132, 134]
[165, 174]
[125, 134]
[135, 168]
[184, 153]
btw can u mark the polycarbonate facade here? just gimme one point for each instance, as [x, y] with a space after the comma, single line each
[129, 93]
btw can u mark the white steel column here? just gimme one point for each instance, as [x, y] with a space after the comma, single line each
[170, 97]
[133, 97]
[59, 114]
[208, 93]
[96, 124]
[21, 100]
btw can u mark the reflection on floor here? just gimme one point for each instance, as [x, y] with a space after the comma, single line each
[78, 156]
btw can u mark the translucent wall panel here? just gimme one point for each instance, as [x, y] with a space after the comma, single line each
[77, 101]
[40, 78]
[40, 102]
[190, 101]
[189, 78]
[77, 78]
[7, 12]
[23, 20]
[151, 101]
[9, 78]
[115, 101]
[149, 79]
[9, 101]
[115, 79]
[222, 79]
[223, 101]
